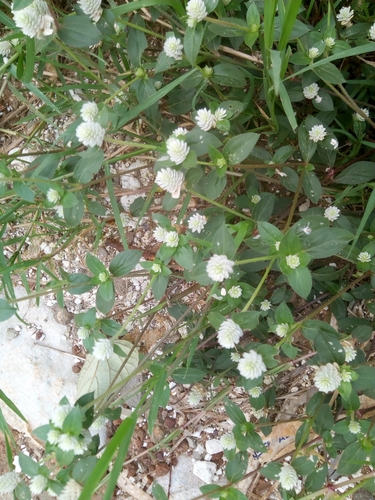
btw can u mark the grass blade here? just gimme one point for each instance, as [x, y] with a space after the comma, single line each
[11, 405]
[289, 19]
[124, 9]
[370, 206]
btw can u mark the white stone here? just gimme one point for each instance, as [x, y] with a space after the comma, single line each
[204, 470]
[214, 446]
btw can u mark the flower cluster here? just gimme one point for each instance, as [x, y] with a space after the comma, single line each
[171, 180]
[345, 16]
[71, 491]
[171, 239]
[196, 223]
[327, 378]
[173, 47]
[235, 292]
[359, 118]
[177, 150]
[206, 120]
[67, 441]
[265, 305]
[317, 133]
[332, 213]
[371, 33]
[288, 477]
[89, 111]
[292, 261]
[5, 49]
[91, 8]
[38, 484]
[35, 20]
[311, 91]
[364, 257]
[251, 365]
[219, 267]
[53, 196]
[313, 52]
[229, 334]
[196, 11]
[103, 349]
[90, 133]
[354, 427]
[8, 482]
[350, 352]
[282, 329]
[228, 441]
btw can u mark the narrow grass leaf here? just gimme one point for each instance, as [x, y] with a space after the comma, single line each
[124, 9]
[11, 405]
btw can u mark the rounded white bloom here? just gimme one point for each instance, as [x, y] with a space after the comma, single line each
[327, 378]
[89, 111]
[171, 239]
[334, 143]
[180, 131]
[318, 99]
[255, 199]
[205, 119]
[235, 291]
[91, 134]
[251, 365]
[235, 357]
[173, 47]
[195, 396]
[219, 267]
[159, 234]
[8, 482]
[292, 261]
[288, 477]
[91, 8]
[317, 133]
[103, 349]
[313, 52]
[103, 277]
[282, 329]
[346, 375]
[358, 118]
[171, 180]
[196, 223]
[220, 114]
[53, 196]
[344, 16]
[265, 305]
[311, 91]
[329, 41]
[71, 491]
[354, 427]
[38, 484]
[196, 12]
[59, 211]
[371, 33]
[34, 20]
[83, 333]
[67, 442]
[177, 150]
[53, 436]
[350, 352]
[332, 213]
[364, 257]
[228, 441]
[5, 48]
[60, 414]
[229, 334]
[156, 268]
[255, 392]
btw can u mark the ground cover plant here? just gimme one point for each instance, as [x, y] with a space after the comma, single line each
[257, 118]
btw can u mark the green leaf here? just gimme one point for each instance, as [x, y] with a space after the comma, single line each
[159, 285]
[105, 297]
[21, 4]
[6, 310]
[301, 281]
[239, 147]
[192, 42]
[137, 42]
[89, 165]
[269, 233]
[304, 466]
[287, 105]
[78, 31]
[188, 375]
[316, 479]
[95, 265]
[311, 186]
[23, 191]
[264, 208]
[223, 243]
[329, 349]
[234, 412]
[184, 256]
[124, 9]
[247, 319]
[28, 465]
[271, 470]
[236, 469]
[124, 262]
[306, 146]
[74, 215]
[159, 398]
[359, 172]
[326, 242]
[83, 469]
[213, 185]
[237, 27]
[159, 493]
[73, 422]
[228, 75]
[329, 73]
[352, 459]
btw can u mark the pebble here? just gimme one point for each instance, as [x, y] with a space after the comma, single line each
[204, 470]
[214, 446]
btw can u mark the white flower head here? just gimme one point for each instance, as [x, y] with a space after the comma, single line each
[346, 375]
[317, 133]
[102, 349]
[35, 20]
[235, 357]
[282, 329]
[255, 199]
[311, 91]
[8, 482]
[229, 334]
[345, 16]
[220, 114]
[255, 392]
[327, 378]
[171, 239]
[329, 41]
[359, 118]
[332, 213]
[90, 134]
[364, 257]
[83, 333]
[103, 277]
[68, 442]
[5, 48]
[156, 268]
[235, 291]
[89, 111]
[53, 436]
[196, 223]
[335, 143]
[205, 119]
[313, 52]
[292, 261]
[173, 47]
[91, 8]
[354, 427]
[59, 211]
[60, 414]
[371, 33]
[38, 484]
[350, 352]
[251, 365]
[265, 305]
[288, 477]
[228, 441]
[53, 196]
[196, 12]
[71, 491]
[180, 131]
[159, 234]
[177, 150]
[195, 396]
[171, 180]
[219, 267]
